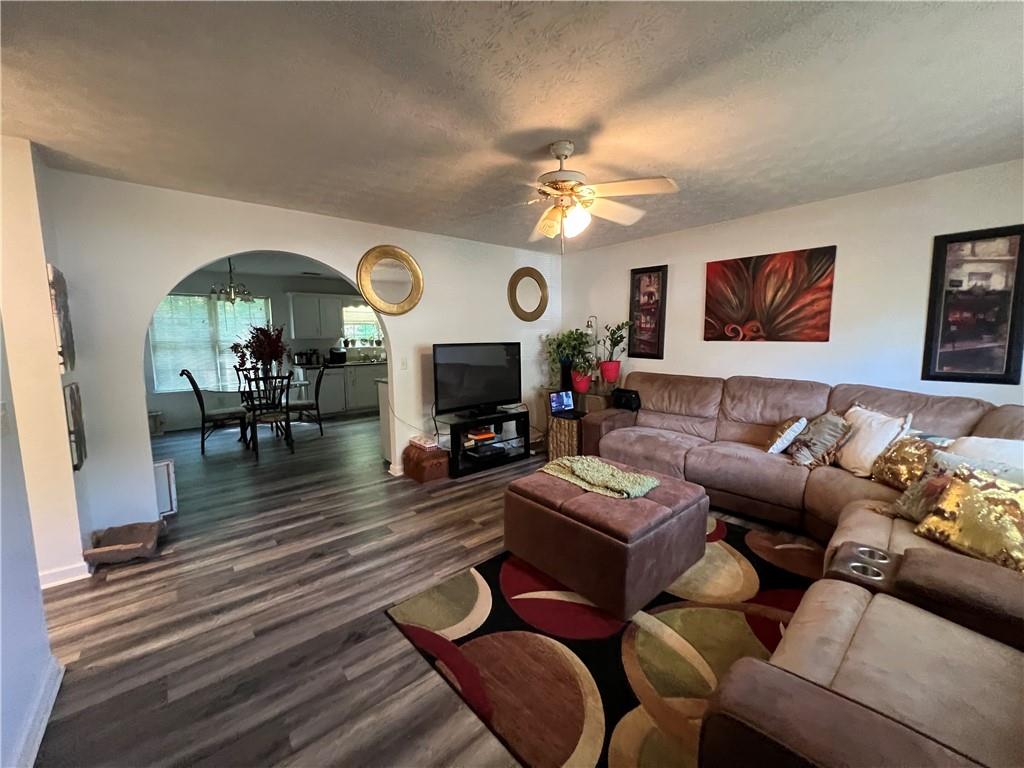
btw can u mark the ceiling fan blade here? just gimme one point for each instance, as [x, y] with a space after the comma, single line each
[656, 185]
[543, 188]
[548, 225]
[620, 213]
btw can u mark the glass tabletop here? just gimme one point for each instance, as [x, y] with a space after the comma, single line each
[228, 388]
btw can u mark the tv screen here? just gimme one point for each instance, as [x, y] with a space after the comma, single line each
[468, 376]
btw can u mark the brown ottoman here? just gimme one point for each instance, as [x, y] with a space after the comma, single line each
[617, 553]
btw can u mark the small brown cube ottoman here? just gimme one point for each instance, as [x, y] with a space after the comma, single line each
[617, 553]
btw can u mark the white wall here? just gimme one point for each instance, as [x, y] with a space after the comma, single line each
[29, 674]
[178, 409]
[35, 373]
[879, 304]
[124, 246]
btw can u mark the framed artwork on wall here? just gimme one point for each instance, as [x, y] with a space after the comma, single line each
[61, 319]
[785, 296]
[647, 292]
[975, 330]
[76, 425]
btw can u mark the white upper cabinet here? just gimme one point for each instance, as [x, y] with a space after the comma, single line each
[317, 316]
[331, 325]
[305, 316]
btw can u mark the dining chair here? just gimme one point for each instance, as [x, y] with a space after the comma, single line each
[267, 403]
[311, 407]
[215, 417]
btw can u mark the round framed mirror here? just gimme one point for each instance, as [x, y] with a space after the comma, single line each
[527, 293]
[389, 279]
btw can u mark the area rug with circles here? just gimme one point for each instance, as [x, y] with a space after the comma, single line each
[562, 683]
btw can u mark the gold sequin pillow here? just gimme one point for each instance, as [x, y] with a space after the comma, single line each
[903, 462]
[981, 515]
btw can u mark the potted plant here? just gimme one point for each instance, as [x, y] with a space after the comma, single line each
[616, 338]
[264, 347]
[570, 350]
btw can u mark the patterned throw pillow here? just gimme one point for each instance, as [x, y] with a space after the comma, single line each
[785, 434]
[872, 433]
[920, 496]
[981, 515]
[816, 446]
[903, 462]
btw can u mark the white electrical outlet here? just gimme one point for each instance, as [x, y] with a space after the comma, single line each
[404, 364]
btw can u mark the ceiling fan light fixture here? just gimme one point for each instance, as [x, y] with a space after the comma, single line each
[577, 219]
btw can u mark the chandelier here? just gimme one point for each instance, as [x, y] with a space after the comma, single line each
[232, 290]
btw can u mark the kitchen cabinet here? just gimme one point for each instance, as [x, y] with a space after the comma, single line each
[331, 326]
[317, 316]
[361, 386]
[333, 392]
[305, 322]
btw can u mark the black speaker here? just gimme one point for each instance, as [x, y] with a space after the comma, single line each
[566, 381]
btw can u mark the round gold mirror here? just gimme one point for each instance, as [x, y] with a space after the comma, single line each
[389, 279]
[527, 294]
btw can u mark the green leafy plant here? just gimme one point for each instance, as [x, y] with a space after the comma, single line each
[616, 338]
[575, 345]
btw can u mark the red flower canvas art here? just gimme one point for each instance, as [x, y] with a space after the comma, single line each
[783, 296]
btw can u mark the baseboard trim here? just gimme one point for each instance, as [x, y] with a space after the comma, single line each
[68, 573]
[39, 715]
[395, 470]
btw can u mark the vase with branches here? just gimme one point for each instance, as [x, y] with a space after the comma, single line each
[616, 339]
[264, 347]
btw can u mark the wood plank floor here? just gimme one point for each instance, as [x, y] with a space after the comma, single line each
[258, 636]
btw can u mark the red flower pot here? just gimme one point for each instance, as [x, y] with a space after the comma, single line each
[580, 382]
[610, 370]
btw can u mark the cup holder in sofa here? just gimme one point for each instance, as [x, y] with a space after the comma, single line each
[873, 555]
[867, 571]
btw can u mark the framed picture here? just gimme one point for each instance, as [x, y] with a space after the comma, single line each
[785, 296]
[975, 316]
[76, 425]
[61, 319]
[647, 288]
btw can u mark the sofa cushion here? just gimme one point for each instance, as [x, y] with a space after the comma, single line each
[747, 470]
[829, 489]
[687, 404]
[1006, 421]
[648, 448]
[951, 684]
[934, 414]
[868, 522]
[752, 406]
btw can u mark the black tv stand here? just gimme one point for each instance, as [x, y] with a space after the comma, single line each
[478, 413]
[468, 456]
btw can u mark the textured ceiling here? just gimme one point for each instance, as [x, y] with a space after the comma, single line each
[431, 116]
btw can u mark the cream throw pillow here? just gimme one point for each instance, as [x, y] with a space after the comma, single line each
[872, 433]
[990, 449]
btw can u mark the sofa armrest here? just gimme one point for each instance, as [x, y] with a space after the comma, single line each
[976, 594]
[763, 715]
[599, 423]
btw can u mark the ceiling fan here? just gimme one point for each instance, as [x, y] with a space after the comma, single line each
[572, 202]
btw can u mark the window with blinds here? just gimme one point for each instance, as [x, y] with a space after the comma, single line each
[195, 332]
[360, 322]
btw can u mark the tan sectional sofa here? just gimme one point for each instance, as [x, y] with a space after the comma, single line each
[713, 431]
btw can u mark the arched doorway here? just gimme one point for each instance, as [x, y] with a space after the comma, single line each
[331, 335]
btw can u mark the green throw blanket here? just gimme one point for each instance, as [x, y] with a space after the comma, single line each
[592, 474]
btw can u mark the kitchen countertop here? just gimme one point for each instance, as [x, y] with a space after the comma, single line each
[343, 365]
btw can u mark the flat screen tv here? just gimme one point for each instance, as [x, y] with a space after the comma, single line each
[476, 377]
